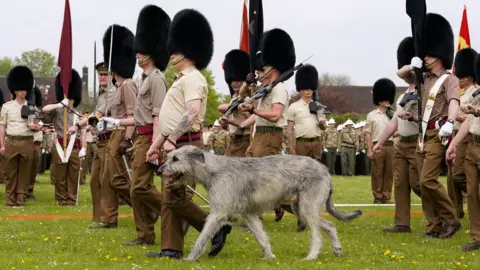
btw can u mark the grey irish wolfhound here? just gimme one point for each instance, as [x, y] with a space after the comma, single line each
[249, 186]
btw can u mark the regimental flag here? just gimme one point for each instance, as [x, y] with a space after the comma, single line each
[464, 36]
[244, 38]
[65, 52]
[255, 29]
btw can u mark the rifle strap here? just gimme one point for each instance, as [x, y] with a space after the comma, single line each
[432, 96]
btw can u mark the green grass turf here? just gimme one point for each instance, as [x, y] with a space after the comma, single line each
[67, 243]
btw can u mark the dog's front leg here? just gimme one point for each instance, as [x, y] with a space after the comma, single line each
[212, 225]
[255, 225]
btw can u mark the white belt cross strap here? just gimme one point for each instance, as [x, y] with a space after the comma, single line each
[432, 95]
[59, 148]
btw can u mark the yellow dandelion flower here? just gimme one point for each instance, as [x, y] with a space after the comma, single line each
[465, 266]
[386, 253]
[107, 257]
[403, 244]
[23, 261]
[319, 262]
[461, 257]
[13, 268]
[246, 238]
[393, 256]
[29, 249]
[402, 257]
[58, 238]
[414, 262]
[129, 257]
[41, 223]
[458, 263]
[36, 266]
[45, 239]
[278, 263]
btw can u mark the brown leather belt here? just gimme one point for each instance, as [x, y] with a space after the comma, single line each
[315, 139]
[20, 138]
[408, 139]
[240, 138]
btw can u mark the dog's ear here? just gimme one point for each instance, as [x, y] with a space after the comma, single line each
[197, 155]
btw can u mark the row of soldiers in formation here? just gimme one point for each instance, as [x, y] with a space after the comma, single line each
[153, 121]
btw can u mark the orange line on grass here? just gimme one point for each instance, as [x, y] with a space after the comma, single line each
[125, 216]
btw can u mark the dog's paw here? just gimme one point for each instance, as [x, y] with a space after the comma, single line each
[338, 252]
[188, 259]
[269, 256]
[310, 258]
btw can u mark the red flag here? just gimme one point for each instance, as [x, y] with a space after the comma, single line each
[244, 42]
[65, 53]
[464, 36]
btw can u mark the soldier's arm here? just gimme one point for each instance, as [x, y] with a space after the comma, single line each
[159, 91]
[3, 125]
[193, 111]
[272, 115]
[404, 71]
[339, 139]
[388, 131]
[223, 107]
[248, 122]
[452, 92]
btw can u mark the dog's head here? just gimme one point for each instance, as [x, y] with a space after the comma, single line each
[181, 162]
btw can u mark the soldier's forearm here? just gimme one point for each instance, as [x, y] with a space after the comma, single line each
[129, 131]
[2, 136]
[388, 132]
[193, 110]
[223, 108]
[49, 108]
[234, 122]
[368, 138]
[248, 122]
[453, 109]
[156, 126]
[462, 133]
[127, 122]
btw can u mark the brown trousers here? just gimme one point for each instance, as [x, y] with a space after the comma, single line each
[18, 161]
[382, 174]
[238, 146]
[145, 196]
[472, 170]
[437, 206]
[266, 144]
[86, 160]
[3, 165]
[311, 149]
[98, 167]
[115, 180]
[36, 160]
[177, 207]
[66, 177]
[406, 180]
[459, 183]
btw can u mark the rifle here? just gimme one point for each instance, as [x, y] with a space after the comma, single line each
[417, 11]
[475, 101]
[263, 90]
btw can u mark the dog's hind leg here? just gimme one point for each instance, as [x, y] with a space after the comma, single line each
[309, 210]
[212, 225]
[256, 227]
[329, 228]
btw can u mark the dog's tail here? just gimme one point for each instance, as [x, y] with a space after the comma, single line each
[338, 214]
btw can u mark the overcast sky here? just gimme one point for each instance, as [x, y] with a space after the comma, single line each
[351, 37]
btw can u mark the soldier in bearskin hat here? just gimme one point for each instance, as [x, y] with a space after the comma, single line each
[278, 56]
[303, 129]
[440, 102]
[2, 166]
[38, 139]
[18, 150]
[465, 72]
[470, 130]
[190, 44]
[404, 122]
[377, 120]
[236, 67]
[115, 182]
[151, 47]
[67, 164]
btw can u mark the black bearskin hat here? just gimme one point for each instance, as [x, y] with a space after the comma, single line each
[38, 97]
[405, 52]
[123, 55]
[464, 63]
[439, 39]
[384, 89]
[74, 89]
[236, 66]
[2, 100]
[191, 35]
[306, 78]
[20, 78]
[153, 26]
[258, 65]
[278, 50]
[477, 69]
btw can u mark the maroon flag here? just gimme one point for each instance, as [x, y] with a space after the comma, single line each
[65, 53]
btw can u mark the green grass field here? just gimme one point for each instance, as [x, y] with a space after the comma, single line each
[30, 241]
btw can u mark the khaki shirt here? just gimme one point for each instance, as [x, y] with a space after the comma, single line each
[56, 116]
[11, 117]
[89, 137]
[150, 97]
[347, 138]
[105, 101]
[280, 95]
[449, 90]
[330, 138]
[124, 102]
[238, 116]
[406, 128]
[465, 99]
[377, 121]
[189, 86]
[306, 123]
[474, 125]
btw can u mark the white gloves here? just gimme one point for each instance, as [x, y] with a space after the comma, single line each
[363, 151]
[446, 130]
[100, 125]
[83, 153]
[416, 62]
[63, 103]
[325, 150]
[357, 153]
[43, 151]
[338, 150]
[211, 151]
[114, 122]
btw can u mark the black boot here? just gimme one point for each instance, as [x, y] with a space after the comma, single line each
[219, 240]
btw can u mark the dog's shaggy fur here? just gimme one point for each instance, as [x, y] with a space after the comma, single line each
[249, 186]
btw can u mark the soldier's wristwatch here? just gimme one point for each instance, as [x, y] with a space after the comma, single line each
[251, 110]
[450, 121]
